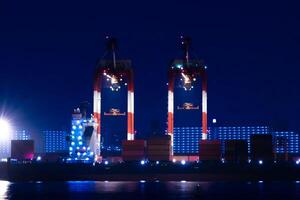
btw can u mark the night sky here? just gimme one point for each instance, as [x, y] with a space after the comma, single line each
[48, 52]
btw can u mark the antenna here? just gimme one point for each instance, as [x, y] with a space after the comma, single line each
[112, 46]
[186, 43]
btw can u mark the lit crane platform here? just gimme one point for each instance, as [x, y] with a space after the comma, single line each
[113, 74]
[188, 71]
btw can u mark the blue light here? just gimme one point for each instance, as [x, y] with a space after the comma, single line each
[78, 154]
[183, 162]
[179, 66]
[72, 143]
[142, 162]
[71, 148]
[39, 158]
[79, 138]
[74, 127]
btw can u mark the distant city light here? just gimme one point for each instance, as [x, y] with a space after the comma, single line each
[214, 121]
[106, 162]
[260, 162]
[5, 130]
[142, 162]
[39, 158]
[298, 162]
[183, 162]
[174, 160]
[157, 162]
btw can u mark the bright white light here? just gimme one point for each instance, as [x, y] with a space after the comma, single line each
[39, 158]
[78, 154]
[260, 162]
[142, 162]
[71, 148]
[174, 160]
[80, 143]
[106, 162]
[142, 181]
[4, 188]
[183, 162]
[72, 143]
[214, 121]
[5, 130]
[79, 138]
[74, 127]
[80, 127]
[183, 181]
[298, 162]
[157, 162]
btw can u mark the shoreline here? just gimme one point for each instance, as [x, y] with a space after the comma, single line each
[136, 172]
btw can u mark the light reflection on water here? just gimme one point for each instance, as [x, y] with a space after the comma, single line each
[149, 190]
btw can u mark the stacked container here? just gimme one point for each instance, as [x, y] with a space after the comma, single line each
[159, 148]
[209, 150]
[261, 147]
[236, 150]
[133, 150]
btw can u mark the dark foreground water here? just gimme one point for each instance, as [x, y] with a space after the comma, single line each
[149, 190]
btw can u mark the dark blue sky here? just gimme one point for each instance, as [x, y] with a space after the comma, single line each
[48, 51]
